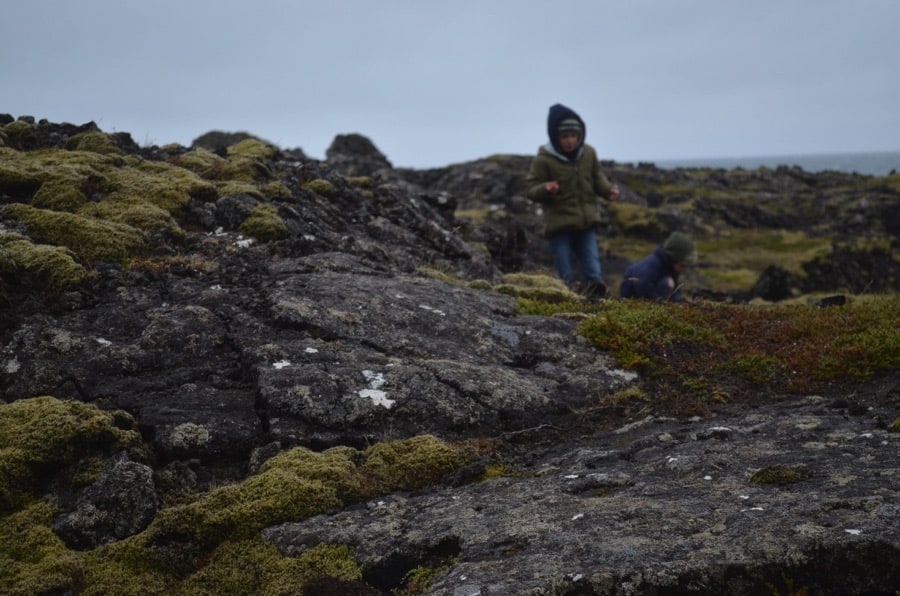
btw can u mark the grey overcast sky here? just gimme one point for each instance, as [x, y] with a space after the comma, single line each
[433, 83]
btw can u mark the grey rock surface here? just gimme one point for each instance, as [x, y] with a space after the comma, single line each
[661, 506]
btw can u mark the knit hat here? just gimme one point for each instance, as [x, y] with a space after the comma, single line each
[569, 124]
[679, 248]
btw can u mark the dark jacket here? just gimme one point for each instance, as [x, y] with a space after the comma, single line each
[574, 206]
[648, 278]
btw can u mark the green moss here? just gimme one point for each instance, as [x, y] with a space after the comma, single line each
[538, 287]
[255, 567]
[321, 187]
[43, 431]
[87, 471]
[420, 579]
[631, 219]
[99, 578]
[132, 190]
[204, 162]
[361, 181]
[59, 195]
[545, 294]
[411, 463]
[237, 187]
[439, 274]
[134, 213]
[90, 239]
[533, 280]
[494, 471]
[336, 467]
[867, 244]
[18, 175]
[275, 190]
[754, 250]
[480, 284]
[53, 266]
[20, 134]
[480, 216]
[895, 427]
[22, 174]
[264, 224]
[157, 183]
[777, 475]
[211, 545]
[96, 142]
[253, 148]
[237, 166]
[530, 306]
[730, 279]
[241, 510]
[35, 560]
[246, 161]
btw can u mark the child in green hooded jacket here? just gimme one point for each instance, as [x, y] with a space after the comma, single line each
[566, 179]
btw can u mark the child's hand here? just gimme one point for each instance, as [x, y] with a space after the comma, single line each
[552, 186]
[614, 193]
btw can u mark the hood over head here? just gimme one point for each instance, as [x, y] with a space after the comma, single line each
[560, 118]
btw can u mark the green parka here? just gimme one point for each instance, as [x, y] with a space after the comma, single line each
[574, 206]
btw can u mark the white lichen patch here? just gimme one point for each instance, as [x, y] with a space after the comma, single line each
[281, 364]
[189, 435]
[625, 375]
[374, 392]
[434, 310]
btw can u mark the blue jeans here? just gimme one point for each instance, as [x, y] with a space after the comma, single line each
[582, 244]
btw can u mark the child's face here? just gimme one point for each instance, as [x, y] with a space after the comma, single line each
[568, 140]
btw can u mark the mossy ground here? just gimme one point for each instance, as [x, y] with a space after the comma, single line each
[694, 357]
[101, 205]
[207, 545]
[89, 202]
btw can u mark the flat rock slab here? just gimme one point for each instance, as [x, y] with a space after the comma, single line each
[657, 506]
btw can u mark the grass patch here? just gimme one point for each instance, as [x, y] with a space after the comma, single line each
[754, 250]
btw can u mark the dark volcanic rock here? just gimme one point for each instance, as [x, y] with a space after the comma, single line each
[774, 284]
[356, 155]
[120, 503]
[659, 506]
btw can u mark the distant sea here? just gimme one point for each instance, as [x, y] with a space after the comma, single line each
[874, 163]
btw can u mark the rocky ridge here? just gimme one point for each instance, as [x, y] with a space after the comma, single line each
[226, 350]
